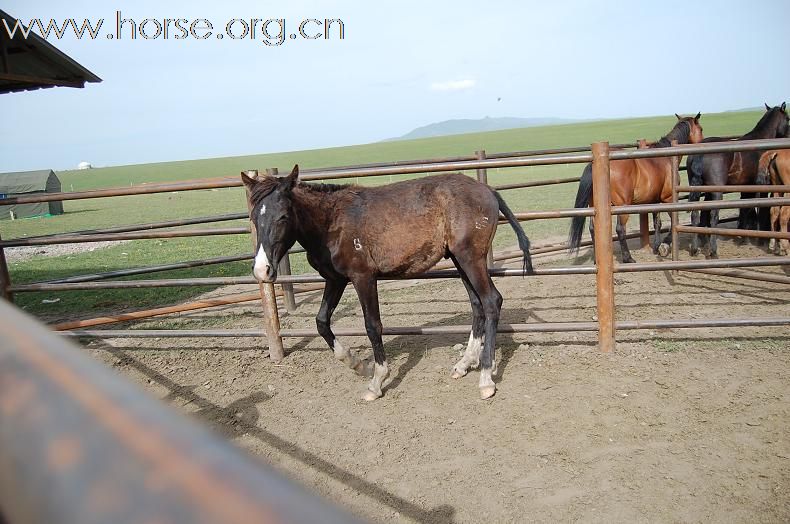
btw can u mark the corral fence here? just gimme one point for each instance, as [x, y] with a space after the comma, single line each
[599, 154]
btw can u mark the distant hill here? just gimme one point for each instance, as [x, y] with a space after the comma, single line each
[480, 125]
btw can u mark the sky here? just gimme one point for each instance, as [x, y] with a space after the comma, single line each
[399, 66]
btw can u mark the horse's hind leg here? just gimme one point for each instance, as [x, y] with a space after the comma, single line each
[367, 290]
[333, 291]
[713, 249]
[471, 358]
[773, 244]
[625, 253]
[784, 220]
[491, 301]
[694, 196]
[656, 232]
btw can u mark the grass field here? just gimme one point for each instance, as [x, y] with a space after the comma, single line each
[87, 214]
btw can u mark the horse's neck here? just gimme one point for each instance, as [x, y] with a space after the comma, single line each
[765, 129]
[677, 133]
[314, 217]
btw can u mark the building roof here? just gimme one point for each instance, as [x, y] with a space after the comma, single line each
[33, 63]
[25, 181]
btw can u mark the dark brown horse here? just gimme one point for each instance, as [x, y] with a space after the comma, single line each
[358, 234]
[738, 168]
[774, 168]
[639, 181]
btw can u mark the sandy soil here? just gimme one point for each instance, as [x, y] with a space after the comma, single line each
[675, 426]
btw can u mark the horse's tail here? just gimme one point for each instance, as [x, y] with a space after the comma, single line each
[694, 170]
[523, 241]
[582, 200]
[764, 171]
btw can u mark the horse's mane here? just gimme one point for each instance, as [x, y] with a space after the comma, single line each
[262, 188]
[680, 132]
[323, 188]
[763, 122]
[267, 184]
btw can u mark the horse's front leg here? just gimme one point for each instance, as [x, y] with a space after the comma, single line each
[333, 292]
[367, 290]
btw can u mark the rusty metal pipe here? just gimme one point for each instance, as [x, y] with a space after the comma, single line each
[81, 445]
[533, 327]
[139, 235]
[734, 232]
[153, 225]
[735, 189]
[497, 272]
[748, 275]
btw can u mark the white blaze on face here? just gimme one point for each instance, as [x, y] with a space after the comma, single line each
[261, 268]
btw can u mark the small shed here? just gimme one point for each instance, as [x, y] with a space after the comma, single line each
[25, 183]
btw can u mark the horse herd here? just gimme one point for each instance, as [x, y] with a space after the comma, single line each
[353, 234]
[648, 181]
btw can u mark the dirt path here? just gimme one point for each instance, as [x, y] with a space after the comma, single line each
[676, 425]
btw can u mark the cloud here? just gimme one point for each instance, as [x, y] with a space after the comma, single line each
[453, 85]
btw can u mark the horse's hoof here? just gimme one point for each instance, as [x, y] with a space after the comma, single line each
[370, 396]
[663, 250]
[487, 392]
[629, 260]
[457, 373]
[364, 368]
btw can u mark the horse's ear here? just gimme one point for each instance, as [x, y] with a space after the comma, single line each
[784, 105]
[696, 118]
[248, 180]
[678, 116]
[293, 177]
[767, 107]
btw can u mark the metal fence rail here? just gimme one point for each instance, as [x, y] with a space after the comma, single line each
[81, 445]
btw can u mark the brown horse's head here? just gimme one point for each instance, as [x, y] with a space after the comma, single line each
[272, 216]
[779, 118]
[695, 130]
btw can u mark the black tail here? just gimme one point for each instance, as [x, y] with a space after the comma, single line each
[523, 241]
[694, 171]
[582, 200]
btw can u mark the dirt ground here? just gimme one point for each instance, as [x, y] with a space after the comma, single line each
[687, 425]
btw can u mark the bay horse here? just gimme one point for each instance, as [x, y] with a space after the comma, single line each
[774, 168]
[739, 168]
[637, 181]
[358, 234]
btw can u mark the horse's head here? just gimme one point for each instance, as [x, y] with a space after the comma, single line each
[695, 129]
[272, 216]
[779, 119]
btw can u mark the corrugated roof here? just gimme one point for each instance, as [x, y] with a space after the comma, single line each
[33, 63]
[24, 181]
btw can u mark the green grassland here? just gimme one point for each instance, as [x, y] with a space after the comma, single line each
[88, 214]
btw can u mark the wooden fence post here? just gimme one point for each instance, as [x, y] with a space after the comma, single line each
[673, 216]
[603, 246]
[284, 268]
[271, 318]
[5, 279]
[482, 177]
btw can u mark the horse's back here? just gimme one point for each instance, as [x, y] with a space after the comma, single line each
[406, 227]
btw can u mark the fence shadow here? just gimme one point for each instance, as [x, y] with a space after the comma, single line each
[225, 421]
